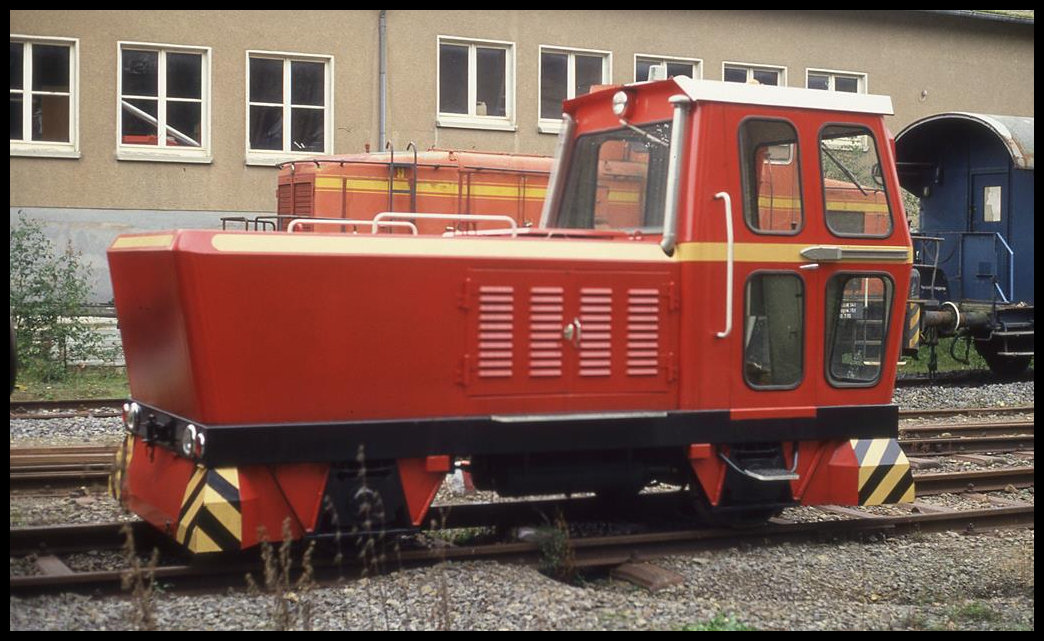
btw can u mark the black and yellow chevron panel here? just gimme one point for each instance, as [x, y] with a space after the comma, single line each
[884, 472]
[120, 467]
[211, 517]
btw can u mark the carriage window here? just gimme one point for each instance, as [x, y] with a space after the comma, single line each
[991, 204]
[771, 177]
[853, 187]
[773, 331]
[618, 180]
[858, 309]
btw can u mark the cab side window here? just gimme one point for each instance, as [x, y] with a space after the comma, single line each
[856, 203]
[771, 176]
[858, 310]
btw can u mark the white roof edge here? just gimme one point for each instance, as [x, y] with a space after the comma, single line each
[769, 95]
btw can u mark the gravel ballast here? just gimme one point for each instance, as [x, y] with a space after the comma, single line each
[944, 581]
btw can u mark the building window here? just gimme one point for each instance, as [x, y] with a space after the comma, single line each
[853, 187]
[774, 330]
[673, 66]
[771, 176]
[858, 313]
[289, 108]
[756, 74]
[44, 80]
[164, 110]
[476, 85]
[836, 81]
[564, 75]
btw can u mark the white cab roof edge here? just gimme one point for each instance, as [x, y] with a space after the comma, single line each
[752, 94]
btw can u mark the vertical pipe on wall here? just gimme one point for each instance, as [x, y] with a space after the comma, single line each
[382, 45]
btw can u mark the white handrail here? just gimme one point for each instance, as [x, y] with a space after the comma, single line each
[374, 224]
[460, 217]
[729, 247]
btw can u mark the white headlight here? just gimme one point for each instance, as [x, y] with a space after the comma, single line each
[188, 440]
[131, 414]
[620, 103]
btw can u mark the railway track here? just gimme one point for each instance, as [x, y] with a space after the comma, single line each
[588, 553]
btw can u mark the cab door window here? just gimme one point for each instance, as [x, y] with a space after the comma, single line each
[858, 312]
[771, 176]
[773, 330]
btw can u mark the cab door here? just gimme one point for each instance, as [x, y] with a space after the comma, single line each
[771, 363]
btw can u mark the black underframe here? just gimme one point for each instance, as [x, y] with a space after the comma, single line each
[228, 445]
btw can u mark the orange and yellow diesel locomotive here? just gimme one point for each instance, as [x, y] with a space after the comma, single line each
[693, 308]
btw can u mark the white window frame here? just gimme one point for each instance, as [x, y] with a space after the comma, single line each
[26, 146]
[751, 67]
[554, 125]
[832, 74]
[472, 120]
[269, 157]
[161, 152]
[697, 63]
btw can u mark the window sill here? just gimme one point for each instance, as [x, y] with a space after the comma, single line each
[44, 151]
[155, 155]
[547, 126]
[273, 158]
[475, 122]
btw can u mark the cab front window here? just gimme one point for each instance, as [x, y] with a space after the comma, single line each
[618, 180]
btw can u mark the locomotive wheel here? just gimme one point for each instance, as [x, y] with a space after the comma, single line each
[734, 517]
[1002, 366]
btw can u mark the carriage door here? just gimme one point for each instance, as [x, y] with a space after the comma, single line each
[985, 261]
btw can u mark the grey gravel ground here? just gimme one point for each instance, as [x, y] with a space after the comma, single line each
[921, 582]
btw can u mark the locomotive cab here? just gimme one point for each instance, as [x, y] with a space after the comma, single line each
[712, 299]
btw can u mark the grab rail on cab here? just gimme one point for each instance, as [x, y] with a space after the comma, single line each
[475, 218]
[373, 224]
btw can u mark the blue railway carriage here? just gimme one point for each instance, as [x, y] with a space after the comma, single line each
[973, 246]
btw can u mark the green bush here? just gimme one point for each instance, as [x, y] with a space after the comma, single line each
[49, 289]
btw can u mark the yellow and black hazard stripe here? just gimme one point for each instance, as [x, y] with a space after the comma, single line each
[884, 472]
[211, 517]
[120, 467]
[913, 326]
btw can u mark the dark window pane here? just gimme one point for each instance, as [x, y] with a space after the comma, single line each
[16, 64]
[588, 73]
[306, 130]
[184, 118]
[16, 117]
[453, 79]
[51, 118]
[266, 80]
[491, 82]
[140, 76]
[306, 84]
[184, 75]
[843, 83]
[553, 78]
[138, 122]
[679, 69]
[641, 70]
[818, 81]
[735, 74]
[766, 77]
[266, 127]
[773, 330]
[50, 68]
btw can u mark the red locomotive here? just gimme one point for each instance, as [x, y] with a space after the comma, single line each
[699, 305]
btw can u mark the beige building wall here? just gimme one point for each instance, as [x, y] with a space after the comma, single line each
[927, 62]
[98, 180]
